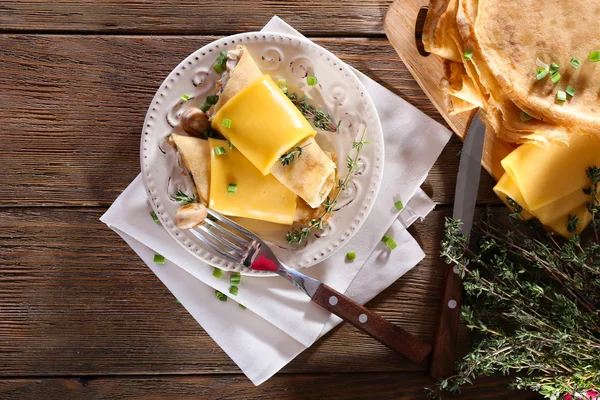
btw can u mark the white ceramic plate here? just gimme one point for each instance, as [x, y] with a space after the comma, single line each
[338, 93]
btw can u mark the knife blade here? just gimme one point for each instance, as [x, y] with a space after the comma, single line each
[465, 198]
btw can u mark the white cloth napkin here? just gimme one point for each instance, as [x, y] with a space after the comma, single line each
[280, 321]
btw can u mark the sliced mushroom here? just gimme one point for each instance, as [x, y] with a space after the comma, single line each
[194, 122]
[190, 215]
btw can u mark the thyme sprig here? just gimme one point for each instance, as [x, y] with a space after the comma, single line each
[181, 197]
[289, 157]
[320, 119]
[297, 236]
[533, 301]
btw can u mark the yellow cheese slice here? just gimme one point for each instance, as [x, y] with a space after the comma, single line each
[264, 123]
[554, 215]
[545, 175]
[257, 196]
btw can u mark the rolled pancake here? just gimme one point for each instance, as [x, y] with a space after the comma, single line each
[194, 154]
[311, 175]
[513, 34]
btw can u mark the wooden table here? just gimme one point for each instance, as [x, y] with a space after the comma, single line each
[80, 315]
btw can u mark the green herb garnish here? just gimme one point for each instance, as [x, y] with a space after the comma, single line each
[185, 98]
[220, 296]
[181, 197]
[220, 151]
[226, 123]
[243, 307]
[561, 95]
[232, 188]
[351, 255]
[234, 290]
[554, 67]
[154, 216]
[570, 90]
[319, 119]
[541, 73]
[230, 145]
[555, 77]
[311, 80]
[575, 62]
[595, 56]
[219, 66]
[235, 279]
[289, 157]
[389, 242]
[525, 117]
[399, 206]
[217, 273]
[158, 259]
[468, 54]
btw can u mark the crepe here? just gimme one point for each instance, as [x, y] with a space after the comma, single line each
[513, 34]
[194, 154]
[311, 175]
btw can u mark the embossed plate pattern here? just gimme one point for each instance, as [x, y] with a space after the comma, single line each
[338, 92]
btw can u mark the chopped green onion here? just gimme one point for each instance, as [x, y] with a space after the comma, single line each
[159, 259]
[234, 290]
[525, 117]
[468, 54]
[185, 98]
[243, 307]
[230, 145]
[232, 188]
[312, 80]
[177, 300]
[554, 67]
[226, 123]
[220, 296]
[570, 90]
[595, 56]
[389, 242]
[217, 273]
[351, 255]
[219, 151]
[575, 62]
[399, 206]
[219, 66]
[541, 73]
[555, 77]
[561, 96]
[212, 99]
[235, 279]
[204, 107]
[154, 216]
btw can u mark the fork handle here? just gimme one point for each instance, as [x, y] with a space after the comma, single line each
[374, 325]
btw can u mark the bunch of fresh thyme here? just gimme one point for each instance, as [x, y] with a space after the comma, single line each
[297, 236]
[533, 300]
[319, 118]
[289, 157]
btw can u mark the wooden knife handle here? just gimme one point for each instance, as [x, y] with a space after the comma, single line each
[444, 341]
[375, 326]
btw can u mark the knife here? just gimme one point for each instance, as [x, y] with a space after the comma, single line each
[465, 198]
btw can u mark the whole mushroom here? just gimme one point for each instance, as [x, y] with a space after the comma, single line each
[194, 122]
[190, 216]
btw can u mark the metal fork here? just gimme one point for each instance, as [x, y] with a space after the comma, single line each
[240, 246]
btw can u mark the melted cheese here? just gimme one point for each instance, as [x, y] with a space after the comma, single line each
[264, 123]
[548, 182]
[257, 196]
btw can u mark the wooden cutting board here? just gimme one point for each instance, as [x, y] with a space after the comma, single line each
[403, 25]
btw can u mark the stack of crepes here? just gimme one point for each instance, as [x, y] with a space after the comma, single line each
[533, 70]
[260, 124]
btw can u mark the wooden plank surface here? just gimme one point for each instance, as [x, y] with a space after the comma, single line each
[313, 17]
[76, 300]
[73, 108]
[356, 386]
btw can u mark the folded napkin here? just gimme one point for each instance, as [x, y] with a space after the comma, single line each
[280, 321]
